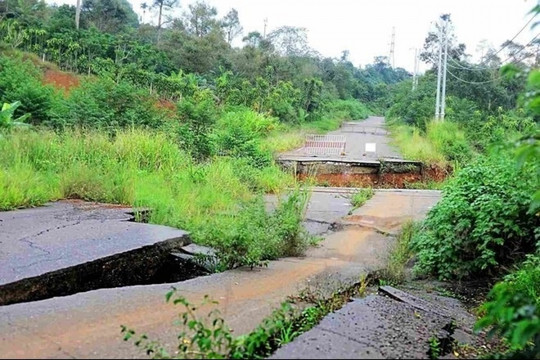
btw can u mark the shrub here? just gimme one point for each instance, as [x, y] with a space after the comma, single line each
[349, 109]
[481, 223]
[513, 310]
[102, 103]
[21, 81]
[238, 134]
[449, 140]
[198, 115]
[254, 235]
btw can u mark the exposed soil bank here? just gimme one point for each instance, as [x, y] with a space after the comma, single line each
[384, 174]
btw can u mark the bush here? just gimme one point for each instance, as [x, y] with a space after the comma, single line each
[254, 235]
[21, 81]
[104, 104]
[198, 115]
[513, 310]
[238, 134]
[349, 109]
[449, 140]
[482, 222]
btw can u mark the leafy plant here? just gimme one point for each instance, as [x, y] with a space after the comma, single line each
[7, 119]
[482, 223]
[513, 309]
[360, 197]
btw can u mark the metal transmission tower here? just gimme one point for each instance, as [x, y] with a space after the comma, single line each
[392, 46]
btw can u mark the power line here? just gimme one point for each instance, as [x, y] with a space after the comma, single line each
[498, 78]
[473, 82]
[515, 36]
[460, 66]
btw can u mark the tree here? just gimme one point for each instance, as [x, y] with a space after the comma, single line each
[162, 5]
[109, 16]
[231, 25]
[290, 41]
[201, 19]
[430, 53]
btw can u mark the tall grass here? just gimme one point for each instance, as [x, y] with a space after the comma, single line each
[441, 143]
[135, 167]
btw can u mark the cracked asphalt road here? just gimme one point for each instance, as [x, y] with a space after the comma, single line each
[68, 233]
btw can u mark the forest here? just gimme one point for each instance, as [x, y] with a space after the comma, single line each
[175, 118]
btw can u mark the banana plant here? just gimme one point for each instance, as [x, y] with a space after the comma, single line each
[7, 120]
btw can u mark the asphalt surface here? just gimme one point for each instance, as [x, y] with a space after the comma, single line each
[385, 327]
[87, 325]
[357, 134]
[68, 233]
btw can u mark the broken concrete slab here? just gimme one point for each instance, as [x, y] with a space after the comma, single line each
[323, 210]
[88, 324]
[414, 301]
[98, 240]
[390, 329]
[400, 206]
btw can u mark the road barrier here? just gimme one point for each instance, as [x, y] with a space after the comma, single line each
[325, 145]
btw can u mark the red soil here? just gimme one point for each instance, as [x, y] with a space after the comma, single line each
[61, 80]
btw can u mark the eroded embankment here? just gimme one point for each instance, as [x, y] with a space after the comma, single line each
[397, 174]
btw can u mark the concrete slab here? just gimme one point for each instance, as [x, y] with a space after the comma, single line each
[388, 210]
[67, 234]
[386, 328]
[323, 210]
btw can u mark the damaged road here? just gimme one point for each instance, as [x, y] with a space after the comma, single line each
[390, 324]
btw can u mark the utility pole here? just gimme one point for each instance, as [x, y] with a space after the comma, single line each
[392, 46]
[443, 96]
[438, 97]
[78, 14]
[265, 24]
[415, 71]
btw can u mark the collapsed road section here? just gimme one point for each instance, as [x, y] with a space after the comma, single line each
[72, 246]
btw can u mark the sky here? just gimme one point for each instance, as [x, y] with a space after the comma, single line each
[364, 27]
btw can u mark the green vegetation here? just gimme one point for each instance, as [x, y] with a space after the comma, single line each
[440, 143]
[209, 337]
[513, 310]
[360, 197]
[483, 223]
[400, 254]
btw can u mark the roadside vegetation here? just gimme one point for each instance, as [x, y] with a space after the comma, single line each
[172, 119]
[485, 227]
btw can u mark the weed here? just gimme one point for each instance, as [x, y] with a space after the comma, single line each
[400, 255]
[434, 347]
[360, 197]
[218, 201]
[210, 337]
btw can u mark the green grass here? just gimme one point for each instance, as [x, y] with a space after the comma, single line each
[400, 255]
[292, 137]
[147, 169]
[360, 197]
[442, 143]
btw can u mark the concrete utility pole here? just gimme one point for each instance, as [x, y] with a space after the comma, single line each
[415, 71]
[265, 24]
[438, 97]
[392, 47]
[443, 96]
[78, 14]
